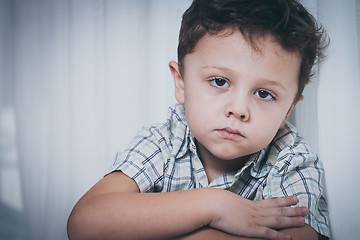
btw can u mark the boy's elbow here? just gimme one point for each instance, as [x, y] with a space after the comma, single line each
[76, 225]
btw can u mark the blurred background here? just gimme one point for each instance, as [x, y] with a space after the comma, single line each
[78, 78]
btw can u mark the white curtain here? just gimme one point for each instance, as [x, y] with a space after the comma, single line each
[79, 77]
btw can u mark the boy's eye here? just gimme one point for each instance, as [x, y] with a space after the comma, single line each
[219, 82]
[263, 94]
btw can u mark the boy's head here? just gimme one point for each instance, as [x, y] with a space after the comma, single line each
[285, 21]
[236, 98]
[242, 67]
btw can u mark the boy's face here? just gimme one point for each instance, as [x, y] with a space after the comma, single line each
[236, 98]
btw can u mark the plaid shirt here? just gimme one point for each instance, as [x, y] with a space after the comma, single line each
[163, 158]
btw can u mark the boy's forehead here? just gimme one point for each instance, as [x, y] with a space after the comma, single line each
[257, 42]
[256, 46]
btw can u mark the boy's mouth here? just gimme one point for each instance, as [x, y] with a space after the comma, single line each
[230, 133]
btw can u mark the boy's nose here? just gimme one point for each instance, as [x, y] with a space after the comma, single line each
[238, 109]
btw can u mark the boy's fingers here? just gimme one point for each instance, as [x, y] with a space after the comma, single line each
[279, 202]
[281, 222]
[285, 212]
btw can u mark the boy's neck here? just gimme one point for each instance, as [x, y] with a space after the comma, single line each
[214, 166]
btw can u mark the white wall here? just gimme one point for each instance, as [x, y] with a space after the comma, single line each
[329, 116]
[339, 114]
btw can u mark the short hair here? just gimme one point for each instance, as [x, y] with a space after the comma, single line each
[286, 21]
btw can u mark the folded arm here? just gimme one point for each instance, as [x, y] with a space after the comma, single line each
[114, 209]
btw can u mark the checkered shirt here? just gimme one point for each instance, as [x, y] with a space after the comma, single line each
[163, 158]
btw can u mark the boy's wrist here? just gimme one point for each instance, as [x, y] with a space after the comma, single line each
[212, 202]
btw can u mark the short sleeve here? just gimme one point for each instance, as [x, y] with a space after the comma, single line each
[143, 160]
[301, 175]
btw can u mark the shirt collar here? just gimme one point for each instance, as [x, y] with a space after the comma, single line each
[262, 162]
[181, 131]
[188, 144]
[260, 166]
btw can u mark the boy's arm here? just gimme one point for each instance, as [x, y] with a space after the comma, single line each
[304, 232]
[114, 209]
[298, 233]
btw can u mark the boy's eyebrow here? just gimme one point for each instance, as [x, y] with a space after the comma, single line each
[218, 67]
[274, 83]
[262, 80]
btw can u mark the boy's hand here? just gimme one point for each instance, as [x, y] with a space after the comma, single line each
[239, 216]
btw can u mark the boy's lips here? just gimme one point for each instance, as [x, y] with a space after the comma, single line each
[230, 133]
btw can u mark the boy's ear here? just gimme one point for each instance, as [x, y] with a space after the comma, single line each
[291, 108]
[179, 82]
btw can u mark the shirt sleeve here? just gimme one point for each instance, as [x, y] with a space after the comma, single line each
[143, 160]
[301, 175]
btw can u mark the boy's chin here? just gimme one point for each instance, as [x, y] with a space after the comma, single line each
[226, 156]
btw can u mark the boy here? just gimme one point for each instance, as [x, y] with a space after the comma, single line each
[225, 160]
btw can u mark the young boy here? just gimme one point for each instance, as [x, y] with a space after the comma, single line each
[225, 164]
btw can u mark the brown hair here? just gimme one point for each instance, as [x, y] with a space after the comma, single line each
[287, 21]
